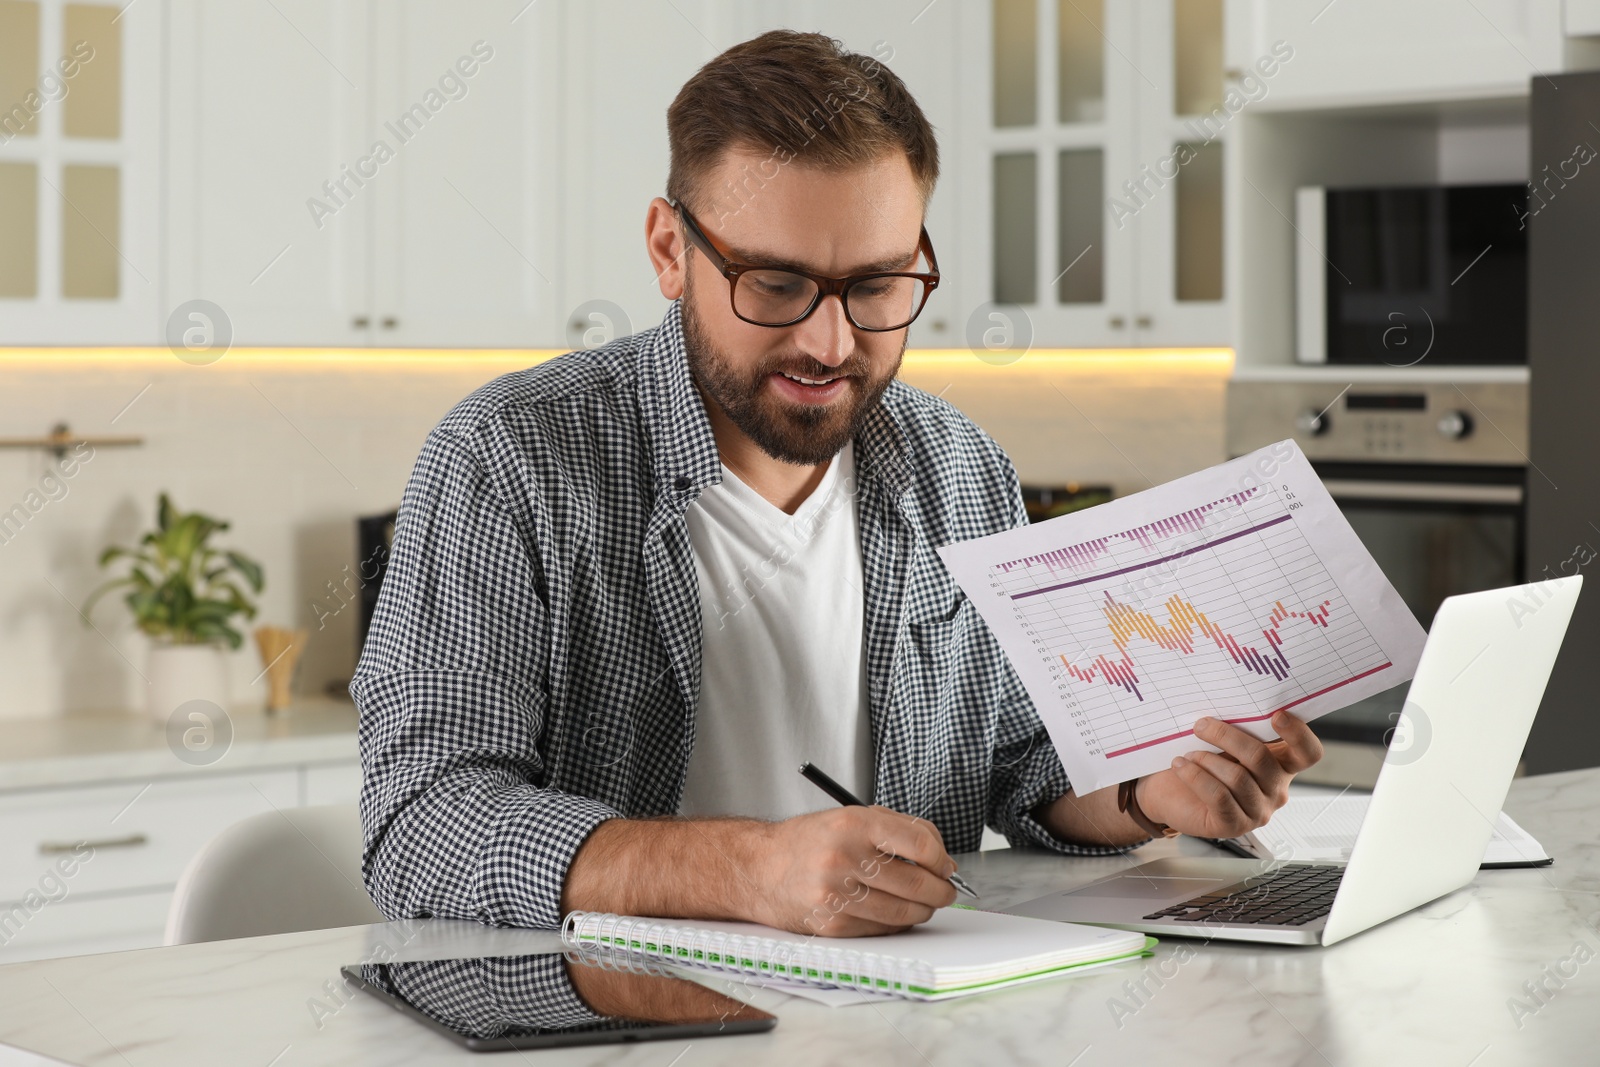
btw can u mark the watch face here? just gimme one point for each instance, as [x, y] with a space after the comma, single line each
[569, 998]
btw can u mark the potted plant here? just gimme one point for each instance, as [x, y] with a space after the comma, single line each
[183, 592]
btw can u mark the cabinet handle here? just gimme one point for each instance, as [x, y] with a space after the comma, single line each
[389, 322]
[52, 848]
[1117, 322]
[360, 322]
[1144, 322]
[1233, 74]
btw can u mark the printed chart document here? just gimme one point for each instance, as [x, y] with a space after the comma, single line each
[1232, 592]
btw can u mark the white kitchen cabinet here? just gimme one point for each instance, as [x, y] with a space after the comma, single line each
[267, 106]
[80, 91]
[1180, 296]
[1106, 195]
[920, 43]
[249, 172]
[635, 58]
[1357, 52]
[1105, 222]
[466, 247]
[352, 174]
[1581, 18]
[93, 838]
[1050, 141]
[616, 134]
[134, 834]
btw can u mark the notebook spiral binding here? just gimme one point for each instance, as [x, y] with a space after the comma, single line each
[814, 964]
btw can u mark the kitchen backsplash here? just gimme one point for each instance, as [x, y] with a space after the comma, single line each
[290, 446]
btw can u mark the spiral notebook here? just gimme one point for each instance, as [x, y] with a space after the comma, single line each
[957, 952]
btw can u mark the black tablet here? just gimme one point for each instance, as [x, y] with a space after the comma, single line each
[496, 1003]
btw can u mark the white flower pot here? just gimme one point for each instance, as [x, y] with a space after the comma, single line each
[181, 673]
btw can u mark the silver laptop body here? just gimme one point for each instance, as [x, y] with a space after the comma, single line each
[1442, 785]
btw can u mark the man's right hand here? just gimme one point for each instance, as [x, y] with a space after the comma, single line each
[832, 873]
[835, 873]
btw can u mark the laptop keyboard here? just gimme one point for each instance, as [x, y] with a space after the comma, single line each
[1288, 896]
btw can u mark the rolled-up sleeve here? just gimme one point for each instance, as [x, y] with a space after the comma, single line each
[457, 815]
[1027, 771]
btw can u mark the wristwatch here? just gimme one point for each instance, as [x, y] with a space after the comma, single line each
[1127, 801]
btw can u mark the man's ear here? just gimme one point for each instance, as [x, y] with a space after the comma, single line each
[667, 249]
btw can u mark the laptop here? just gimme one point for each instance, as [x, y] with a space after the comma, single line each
[1433, 809]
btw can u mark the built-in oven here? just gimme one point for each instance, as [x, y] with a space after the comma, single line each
[1431, 471]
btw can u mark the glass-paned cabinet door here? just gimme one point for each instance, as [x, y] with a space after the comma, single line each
[1060, 131]
[79, 128]
[1186, 114]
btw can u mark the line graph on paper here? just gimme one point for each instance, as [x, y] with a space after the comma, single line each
[1226, 606]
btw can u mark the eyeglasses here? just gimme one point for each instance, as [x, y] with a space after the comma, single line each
[774, 296]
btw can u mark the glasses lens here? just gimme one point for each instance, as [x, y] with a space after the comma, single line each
[773, 297]
[885, 303]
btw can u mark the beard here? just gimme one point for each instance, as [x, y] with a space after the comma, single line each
[802, 434]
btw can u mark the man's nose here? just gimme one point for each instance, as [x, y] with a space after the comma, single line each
[826, 334]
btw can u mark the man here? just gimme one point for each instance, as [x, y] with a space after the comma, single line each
[633, 589]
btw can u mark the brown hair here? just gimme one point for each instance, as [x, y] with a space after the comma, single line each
[799, 97]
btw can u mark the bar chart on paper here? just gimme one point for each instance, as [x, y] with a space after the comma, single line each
[1226, 593]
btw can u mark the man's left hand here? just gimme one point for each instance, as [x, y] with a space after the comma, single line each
[1228, 793]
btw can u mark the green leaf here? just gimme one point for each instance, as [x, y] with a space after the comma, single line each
[164, 512]
[250, 569]
[216, 631]
[99, 592]
[114, 553]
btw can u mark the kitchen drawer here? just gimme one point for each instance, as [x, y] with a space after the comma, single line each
[142, 835]
[337, 783]
[76, 927]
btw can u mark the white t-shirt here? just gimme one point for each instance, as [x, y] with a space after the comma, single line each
[783, 679]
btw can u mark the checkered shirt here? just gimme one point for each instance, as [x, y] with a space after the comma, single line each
[491, 997]
[533, 663]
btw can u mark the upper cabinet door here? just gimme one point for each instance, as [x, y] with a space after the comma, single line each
[80, 89]
[1053, 137]
[467, 246]
[1175, 205]
[628, 62]
[1380, 51]
[921, 44]
[270, 168]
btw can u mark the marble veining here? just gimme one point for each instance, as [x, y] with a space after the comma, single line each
[1435, 986]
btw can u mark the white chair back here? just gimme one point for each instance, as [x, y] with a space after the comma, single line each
[274, 873]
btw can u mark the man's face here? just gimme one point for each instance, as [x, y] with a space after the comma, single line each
[824, 222]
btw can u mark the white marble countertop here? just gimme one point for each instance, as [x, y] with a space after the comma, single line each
[96, 748]
[1432, 987]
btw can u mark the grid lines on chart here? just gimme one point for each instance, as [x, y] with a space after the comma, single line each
[1224, 610]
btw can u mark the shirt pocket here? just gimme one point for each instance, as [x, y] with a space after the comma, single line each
[934, 652]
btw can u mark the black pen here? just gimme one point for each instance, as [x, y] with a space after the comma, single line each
[849, 799]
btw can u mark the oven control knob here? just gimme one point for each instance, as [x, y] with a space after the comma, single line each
[1311, 423]
[1455, 425]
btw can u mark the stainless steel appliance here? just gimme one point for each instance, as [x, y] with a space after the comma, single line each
[1430, 469]
[1395, 275]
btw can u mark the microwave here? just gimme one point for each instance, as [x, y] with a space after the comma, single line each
[1407, 276]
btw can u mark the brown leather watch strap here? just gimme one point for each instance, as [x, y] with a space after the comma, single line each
[1128, 801]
